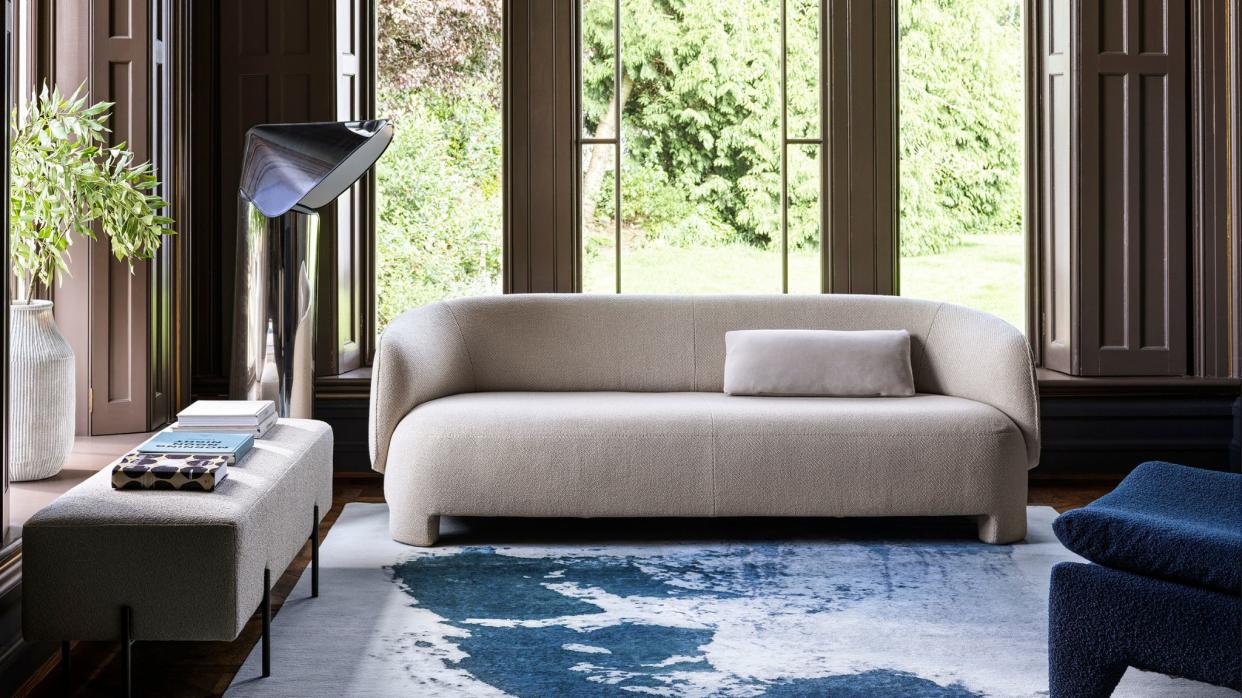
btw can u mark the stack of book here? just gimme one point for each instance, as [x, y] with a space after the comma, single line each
[180, 460]
[252, 417]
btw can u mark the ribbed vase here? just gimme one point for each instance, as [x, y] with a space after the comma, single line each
[40, 394]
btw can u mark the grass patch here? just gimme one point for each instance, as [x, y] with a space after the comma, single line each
[986, 272]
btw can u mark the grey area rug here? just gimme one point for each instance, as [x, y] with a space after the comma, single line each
[844, 616]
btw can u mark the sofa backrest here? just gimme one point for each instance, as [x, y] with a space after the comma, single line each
[650, 343]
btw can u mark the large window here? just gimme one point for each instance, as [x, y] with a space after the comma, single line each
[701, 146]
[439, 211]
[961, 89]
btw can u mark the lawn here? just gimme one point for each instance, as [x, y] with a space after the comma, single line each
[984, 272]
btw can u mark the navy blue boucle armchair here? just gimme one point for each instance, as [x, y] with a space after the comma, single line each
[1166, 592]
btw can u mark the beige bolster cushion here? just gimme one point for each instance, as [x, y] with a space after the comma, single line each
[865, 363]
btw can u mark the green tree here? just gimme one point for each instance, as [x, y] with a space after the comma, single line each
[961, 99]
[700, 84]
[700, 112]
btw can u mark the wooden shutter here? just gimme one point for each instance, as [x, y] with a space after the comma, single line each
[116, 321]
[1058, 195]
[1115, 187]
[119, 301]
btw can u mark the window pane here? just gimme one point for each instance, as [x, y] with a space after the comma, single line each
[438, 208]
[599, 233]
[961, 91]
[700, 174]
[802, 58]
[598, 69]
[804, 219]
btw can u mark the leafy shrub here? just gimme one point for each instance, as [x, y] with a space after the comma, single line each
[438, 212]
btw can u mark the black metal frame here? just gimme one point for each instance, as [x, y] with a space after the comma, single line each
[265, 609]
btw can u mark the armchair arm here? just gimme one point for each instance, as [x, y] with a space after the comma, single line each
[421, 356]
[979, 357]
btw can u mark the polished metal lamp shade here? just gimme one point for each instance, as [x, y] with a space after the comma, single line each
[289, 171]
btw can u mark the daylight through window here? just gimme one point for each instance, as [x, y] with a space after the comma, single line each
[439, 211]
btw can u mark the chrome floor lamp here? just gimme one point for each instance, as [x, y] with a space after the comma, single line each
[289, 172]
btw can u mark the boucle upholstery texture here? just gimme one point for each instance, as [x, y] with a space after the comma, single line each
[1102, 620]
[189, 564]
[580, 405]
[1168, 521]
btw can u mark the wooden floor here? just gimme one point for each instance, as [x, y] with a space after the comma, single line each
[206, 668]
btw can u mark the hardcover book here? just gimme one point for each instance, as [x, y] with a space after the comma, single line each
[227, 413]
[196, 443]
[257, 431]
[146, 471]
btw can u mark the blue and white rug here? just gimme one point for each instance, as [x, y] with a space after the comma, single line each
[810, 617]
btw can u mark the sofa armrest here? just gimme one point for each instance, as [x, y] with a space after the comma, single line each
[973, 355]
[421, 356]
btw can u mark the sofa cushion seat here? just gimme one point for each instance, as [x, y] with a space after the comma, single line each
[701, 454]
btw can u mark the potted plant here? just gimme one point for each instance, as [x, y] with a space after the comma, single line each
[64, 180]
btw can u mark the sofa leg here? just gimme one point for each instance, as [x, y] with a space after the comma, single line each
[422, 531]
[1001, 528]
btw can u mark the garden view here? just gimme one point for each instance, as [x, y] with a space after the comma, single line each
[700, 180]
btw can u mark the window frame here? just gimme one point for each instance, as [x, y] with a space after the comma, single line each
[820, 141]
[542, 233]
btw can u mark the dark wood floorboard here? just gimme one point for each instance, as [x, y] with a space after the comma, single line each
[173, 669]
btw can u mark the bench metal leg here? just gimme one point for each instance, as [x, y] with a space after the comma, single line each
[315, 554]
[127, 648]
[66, 668]
[267, 623]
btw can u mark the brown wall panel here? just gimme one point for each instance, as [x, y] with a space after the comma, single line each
[67, 65]
[541, 132]
[1215, 228]
[1233, 183]
[262, 61]
[862, 136]
[290, 61]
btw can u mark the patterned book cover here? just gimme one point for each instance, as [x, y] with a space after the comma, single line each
[170, 471]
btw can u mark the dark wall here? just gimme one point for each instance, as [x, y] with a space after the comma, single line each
[254, 62]
[1103, 436]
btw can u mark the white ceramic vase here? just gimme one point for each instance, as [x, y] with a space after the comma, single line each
[41, 393]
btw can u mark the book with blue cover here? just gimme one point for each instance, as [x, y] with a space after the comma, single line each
[192, 443]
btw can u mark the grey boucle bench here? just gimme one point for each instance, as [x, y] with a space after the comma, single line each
[105, 564]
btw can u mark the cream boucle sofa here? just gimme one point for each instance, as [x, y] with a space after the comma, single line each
[583, 406]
